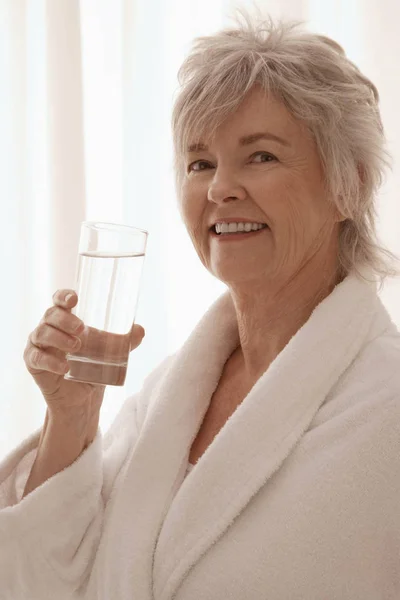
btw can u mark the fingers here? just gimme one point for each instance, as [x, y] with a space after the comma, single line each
[136, 338]
[45, 360]
[46, 336]
[54, 336]
[60, 332]
[59, 298]
[62, 319]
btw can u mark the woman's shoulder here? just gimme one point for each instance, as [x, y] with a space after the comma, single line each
[376, 369]
[367, 393]
[384, 351]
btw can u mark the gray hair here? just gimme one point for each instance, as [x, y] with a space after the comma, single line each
[319, 85]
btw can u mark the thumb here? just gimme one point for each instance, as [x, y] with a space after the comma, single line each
[137, 335]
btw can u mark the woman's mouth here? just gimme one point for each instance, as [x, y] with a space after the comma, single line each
[237, 235]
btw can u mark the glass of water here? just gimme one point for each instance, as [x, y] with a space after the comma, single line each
[109, 269]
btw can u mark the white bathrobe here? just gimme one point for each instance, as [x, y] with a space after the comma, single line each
[297, 497]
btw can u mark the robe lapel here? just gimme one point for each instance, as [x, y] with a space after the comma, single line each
[261, 432]
[174, 521]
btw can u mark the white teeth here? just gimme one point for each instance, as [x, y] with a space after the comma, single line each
[234, 227]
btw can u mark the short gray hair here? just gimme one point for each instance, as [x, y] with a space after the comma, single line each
[319, 85]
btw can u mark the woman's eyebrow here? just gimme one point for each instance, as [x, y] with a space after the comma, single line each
[262, 135]
[245, 140]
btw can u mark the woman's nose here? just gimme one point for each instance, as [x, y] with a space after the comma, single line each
[225, 188]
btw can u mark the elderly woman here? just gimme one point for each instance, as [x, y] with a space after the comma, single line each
[261, 460]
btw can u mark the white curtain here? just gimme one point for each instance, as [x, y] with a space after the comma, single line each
[86, 91]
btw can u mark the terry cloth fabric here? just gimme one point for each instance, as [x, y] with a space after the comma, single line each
[298, 496]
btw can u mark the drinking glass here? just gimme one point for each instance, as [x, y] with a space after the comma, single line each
[108, 275]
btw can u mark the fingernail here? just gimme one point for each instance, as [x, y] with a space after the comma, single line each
[68, 297]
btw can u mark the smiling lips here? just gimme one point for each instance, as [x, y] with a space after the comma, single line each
[236, 236]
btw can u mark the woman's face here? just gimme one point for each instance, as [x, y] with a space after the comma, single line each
[279, 183]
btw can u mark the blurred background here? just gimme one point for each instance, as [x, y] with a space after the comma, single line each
[86, 92]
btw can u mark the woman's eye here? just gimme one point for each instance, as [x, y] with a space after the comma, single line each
[197, 162]
[264, 154]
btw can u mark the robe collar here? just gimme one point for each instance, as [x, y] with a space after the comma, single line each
[177, 519]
